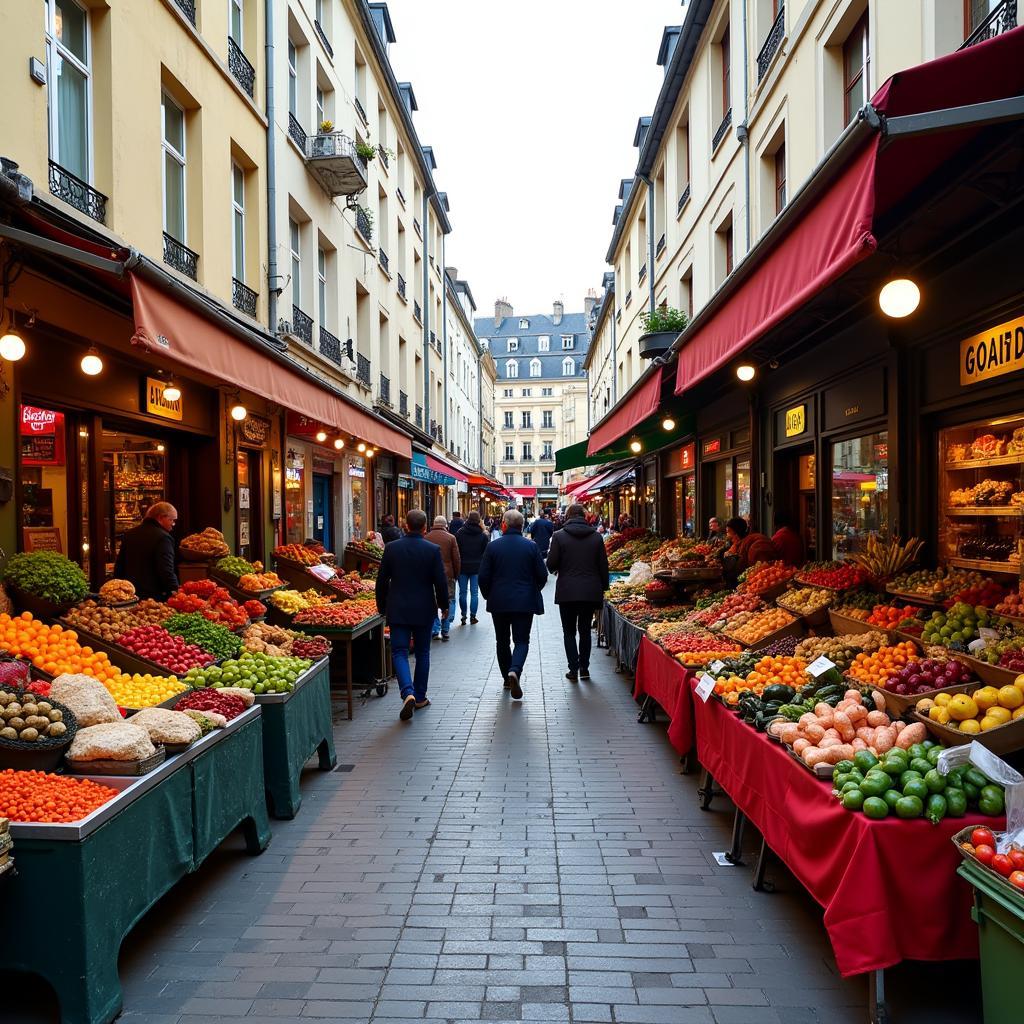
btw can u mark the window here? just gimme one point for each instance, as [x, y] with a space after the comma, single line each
[726, 72]
[509, 425]
[723, 250]
[527, 451]
[293, 80]
[68, 86]
[513, 344]
[568, 368]
[976, 12]
[686, 292]
[534, 367]
[860, 506]
[855, 69]
[548, 452]
[527, 479]
[321, 285]
[511, 368]
[508, 392]
[510, 453]
[547, 418]
[547, 479]
[238, 222]
[174, 168]
[321, 108]
[294, 241]
[527, 422]
[544, 343]
[547, 392]
[510, 479]
[527, 392]
[682, 161]
[568, 342]
[524, 325]
[780, 178]
[236, 21]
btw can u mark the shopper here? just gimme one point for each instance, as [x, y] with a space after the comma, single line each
[787, 540]
[579, 558]
[540, 532]
[411, 587]
[472, 541]
[496, 528]
[512, 576]
[440, 536]
[147, 554]
[456, 524]
[389, 531]
[716, 531]
[748, 547]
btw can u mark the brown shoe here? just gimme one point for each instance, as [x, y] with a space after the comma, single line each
[408, 706]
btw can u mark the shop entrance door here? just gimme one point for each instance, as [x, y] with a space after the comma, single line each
[322, 510]
[249, 496]
[793, 496]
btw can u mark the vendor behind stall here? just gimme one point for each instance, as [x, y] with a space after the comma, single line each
[147, 554]
[746, 548]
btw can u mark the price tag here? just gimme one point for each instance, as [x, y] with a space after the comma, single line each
[819, 666]
[705, 687]
[717, 666]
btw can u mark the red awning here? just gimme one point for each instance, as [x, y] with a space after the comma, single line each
[171, 329]
[838, 230]
[593, 485]
[634, 409]
[575, 486]
[526, 492]
[440, 466]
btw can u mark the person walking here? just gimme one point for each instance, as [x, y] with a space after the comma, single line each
[540, 531]
[440, 536]
[389, 531]
[512, 576]
[495, 528]
[579, 558]
[472, 542]
[411, 588]
[456, 524]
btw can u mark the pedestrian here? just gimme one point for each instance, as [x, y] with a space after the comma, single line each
[389, 531]
[440, 536]
[495, 528]
[147, 553]
[472, 542]
[540, 532]
[716, 531]
[456, 524]
[787, 540]
[512, 576]
[579, 558]
[411, 587]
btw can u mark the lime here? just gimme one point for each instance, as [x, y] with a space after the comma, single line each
[908, 776]
[909, 807]
[892, 797]
[922, 765]
[853, 799]
[875, 807]
[875, 784]
[864, 760]
[917, 788]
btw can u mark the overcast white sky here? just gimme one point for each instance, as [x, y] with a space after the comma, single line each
[530, 106]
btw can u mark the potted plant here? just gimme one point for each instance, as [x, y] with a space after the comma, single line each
[323, 141]
[326, 127]
[44, 583]
[661, 328]
[367, 150]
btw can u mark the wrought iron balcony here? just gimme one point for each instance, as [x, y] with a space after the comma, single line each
[403, 404]
[401, 195]
[417, 312]
[385, 263]
[360, 110]
[1000, 20]
[188, 8]
[323, 38]
[384, 390]
[384, 158]
[362, 369]
[332, 159]
[330, 346]
[722, 129]
[434, 343]
[642, 274]
[243, 297]
[363, 224]
[401, 287]
[302, 325]
[546, 458]
[660, 248]
[416, 227]
[297, 132]
[684, 198]
[419, 416]
[241, 70]
[181, 257]
[433, 428]
[629, 296]
[771, 43]
[79, 194]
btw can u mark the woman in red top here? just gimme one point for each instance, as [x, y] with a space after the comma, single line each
[787, 540]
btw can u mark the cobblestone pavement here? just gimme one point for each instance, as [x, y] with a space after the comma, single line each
[542, 861]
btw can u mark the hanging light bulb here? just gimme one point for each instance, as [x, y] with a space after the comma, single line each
[745, 372]
[12, 348]
[338, 443]
[172, 393]
[370, 452]
[361, 447]
[321, 436]
[239, 412]
[159, 447]
[92, 364]
[899, 297]
[636, 446]
[668, 423]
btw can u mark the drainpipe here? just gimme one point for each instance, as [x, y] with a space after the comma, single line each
[615, 345]
[426, 311]
[743, 131]
[444, 340]
[480, 410]
[272, 292]
[650, 242]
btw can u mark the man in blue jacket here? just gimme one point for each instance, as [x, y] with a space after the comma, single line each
[411, 587]
[512, 576]
[541, 530]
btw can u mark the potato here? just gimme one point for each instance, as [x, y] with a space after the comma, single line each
[8, 733]
[57, 729]
[29, 735]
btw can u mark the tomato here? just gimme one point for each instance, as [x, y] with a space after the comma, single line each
[1002, 864]
[983, 837]
[985, 853]
[1017, 859]
[1017, 879]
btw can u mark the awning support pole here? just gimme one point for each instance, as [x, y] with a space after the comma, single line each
[974, 115]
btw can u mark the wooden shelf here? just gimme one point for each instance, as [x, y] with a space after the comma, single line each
[982, 565]
[997, 460]
[1006, 511]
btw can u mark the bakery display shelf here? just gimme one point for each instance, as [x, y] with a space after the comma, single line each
[996, 460]
[983, 565]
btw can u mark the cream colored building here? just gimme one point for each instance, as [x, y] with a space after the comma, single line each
[755, 93]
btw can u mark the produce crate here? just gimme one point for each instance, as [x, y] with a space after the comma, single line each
[360, 561]
[794, 628]
[933, 600]
[1004, 740]
[999, 913]
[815, 618]
[38, 606]
[898, 704]
[772, 592]
[993, 674]
[230, 583]
[842, 625]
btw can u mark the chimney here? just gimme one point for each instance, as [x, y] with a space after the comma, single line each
[590, 302]
[559, 309]
[502, 309]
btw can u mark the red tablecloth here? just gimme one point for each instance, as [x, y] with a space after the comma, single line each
[660, 677]
[889, 888]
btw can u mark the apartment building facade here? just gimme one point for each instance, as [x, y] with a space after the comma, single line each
[540, 402]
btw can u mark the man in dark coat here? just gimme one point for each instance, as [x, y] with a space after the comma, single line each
[512, 576]
[456, 524]
[146, 557]
[472, 540]
[388, 530]
[541, 530]
[411, 588]
[579, 557]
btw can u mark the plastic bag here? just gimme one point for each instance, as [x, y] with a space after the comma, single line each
[1000, 772]
[640, 573]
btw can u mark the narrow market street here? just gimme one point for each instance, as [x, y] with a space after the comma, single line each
[498, 861]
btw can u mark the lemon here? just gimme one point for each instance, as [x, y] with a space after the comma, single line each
[961, 707]
[939, 714]
[988, 722]
[971, 726]
[1000, 714]
[1019, 682]
[986, 697]
[1019, 713]
[943, 699]
[1010, 697]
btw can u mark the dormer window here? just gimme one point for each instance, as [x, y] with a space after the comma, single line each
[513, 344]
[535, 367]
[544, 343]
[568, 368]
[524, 325]
[568, 342]
[511, 368]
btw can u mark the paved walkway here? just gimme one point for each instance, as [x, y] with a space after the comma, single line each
[542, 861]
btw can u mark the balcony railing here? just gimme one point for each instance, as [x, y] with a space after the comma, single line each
[188, 8]
[403, 404]
[660, 247]
[181, 257]
[771, 43]
[330, 346]
[401, 287]
[684, 198]
[642, 274]
[401, 196]
[297, 132]
[385, 263]
[434, 343]
[629, 296]
[1000, 20]
[546, 457]
[332, 159]
[384, 390]
[241, 70]
[302, 325]
[362, 369]
[416, 227]
[722, 129]
[417, 312]
[243, 297]
[384, 158]
[360, 109]
[419, 416]
[323, 38]
[363, 224]
[82, 196]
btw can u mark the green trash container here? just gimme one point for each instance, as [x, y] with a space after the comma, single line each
[999, 913]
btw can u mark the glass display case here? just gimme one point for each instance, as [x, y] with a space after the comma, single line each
[981, 495]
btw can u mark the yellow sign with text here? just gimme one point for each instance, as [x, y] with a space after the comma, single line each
[157, 405]
[796, 420]
[992, 353]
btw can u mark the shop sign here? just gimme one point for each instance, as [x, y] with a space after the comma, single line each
[688, 455]
[796, 420]
[357, 471]
[255, 430]
[42, 437]
[42, 538]
[992, 353]
[712, 447]
[324, 466]
[430, 476]
[405, 482]
[157, 405]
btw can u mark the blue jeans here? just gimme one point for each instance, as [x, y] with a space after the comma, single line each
[443, 624]
[469, 584]
[400, 636]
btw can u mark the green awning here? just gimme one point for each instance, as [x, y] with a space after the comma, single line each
[650, 434]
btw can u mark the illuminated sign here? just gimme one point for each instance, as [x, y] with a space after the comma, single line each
[796, 420]
[992, 353]
[157, 405]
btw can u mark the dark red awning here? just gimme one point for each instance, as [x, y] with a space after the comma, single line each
[526, 492]
[634, 409]
[440, 466]
[838, 230]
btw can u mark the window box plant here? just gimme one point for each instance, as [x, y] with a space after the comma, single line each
[661, 328]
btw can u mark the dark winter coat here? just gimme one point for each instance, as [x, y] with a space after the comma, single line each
[541, 530]
[146, 558]
[411, 583]
[579, 557]
[390, 533]
[455, 525]
[472, 543]
[512, 575]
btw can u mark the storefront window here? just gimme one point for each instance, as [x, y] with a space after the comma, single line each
[357, 498]
[860, 491]
[294, 502]
[44, 480]
[723, 497]
[743, 488]
[83, 498]
[134, 478]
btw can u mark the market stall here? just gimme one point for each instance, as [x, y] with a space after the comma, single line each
[662, 679]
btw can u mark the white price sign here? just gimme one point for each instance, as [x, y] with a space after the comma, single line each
[705, 687]
[819, 666]
[717, 666]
